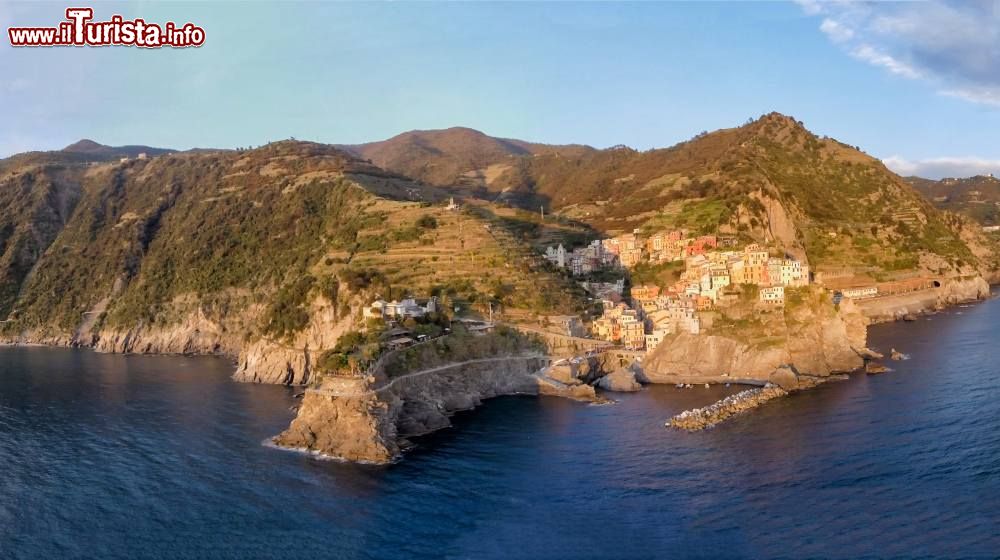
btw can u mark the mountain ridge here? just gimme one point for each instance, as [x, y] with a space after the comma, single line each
[90, 147]
[268, 255]
[445, 157]
[977, 196]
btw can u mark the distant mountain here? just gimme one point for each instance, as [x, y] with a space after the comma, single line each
[91, 148]
[977, 197]
[80, 152]
[453, 156]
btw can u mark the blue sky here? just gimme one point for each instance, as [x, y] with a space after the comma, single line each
[917, 84]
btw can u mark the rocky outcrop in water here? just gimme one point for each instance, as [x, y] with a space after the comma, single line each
[622, 380]
[353, 429]
[369, 419]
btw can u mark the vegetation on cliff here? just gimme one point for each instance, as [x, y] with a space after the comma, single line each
[248, 241]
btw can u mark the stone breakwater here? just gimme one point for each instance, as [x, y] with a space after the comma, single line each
[720, 411]
[708, 416]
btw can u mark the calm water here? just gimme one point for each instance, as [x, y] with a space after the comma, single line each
[161, 457]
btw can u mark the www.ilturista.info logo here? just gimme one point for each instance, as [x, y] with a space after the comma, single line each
[78, 30]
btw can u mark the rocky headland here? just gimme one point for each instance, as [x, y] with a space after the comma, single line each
[815, 341]
[369, 418]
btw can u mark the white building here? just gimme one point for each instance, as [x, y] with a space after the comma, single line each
[860, 293]
[374, 311]
[774, 295]
[406, 308]
[656, 337]
[794, 273]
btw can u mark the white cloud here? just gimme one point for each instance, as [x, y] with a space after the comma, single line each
[836, 30]
[952, 45]
[810, 7]
[875, 57]
[984, 95]
[941, 167]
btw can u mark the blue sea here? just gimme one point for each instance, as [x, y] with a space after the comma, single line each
[109, 456]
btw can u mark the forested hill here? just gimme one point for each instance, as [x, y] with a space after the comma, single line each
[224, 250]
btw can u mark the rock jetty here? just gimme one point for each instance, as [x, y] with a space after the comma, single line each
[708, 416]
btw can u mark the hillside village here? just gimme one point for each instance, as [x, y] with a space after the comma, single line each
[714, 273]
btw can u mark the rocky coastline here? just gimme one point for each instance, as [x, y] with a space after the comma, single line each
[258, 358]
[373, 423]
[819, 343]
[369, 419]
[951, 292]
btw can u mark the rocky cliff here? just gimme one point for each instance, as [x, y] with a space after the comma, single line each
[952, 291]
[369, 420]
[815, 342]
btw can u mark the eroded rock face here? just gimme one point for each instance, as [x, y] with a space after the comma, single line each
[370, 423]
[707, 356]
[621, 380]
[353, 429]
[951, 292]
[292, 362]
[816, 345]
[195, 335]
[259, 358]
[785, 377]
[267, 362]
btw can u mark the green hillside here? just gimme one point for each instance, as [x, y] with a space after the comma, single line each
[770, 180]
[253, 235]
[977, 197]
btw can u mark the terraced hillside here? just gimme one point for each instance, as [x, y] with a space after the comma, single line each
[770, 180]
[275, 249]
[977, 197]
[269, 255]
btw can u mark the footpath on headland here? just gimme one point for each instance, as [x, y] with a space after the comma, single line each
[332, 390]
